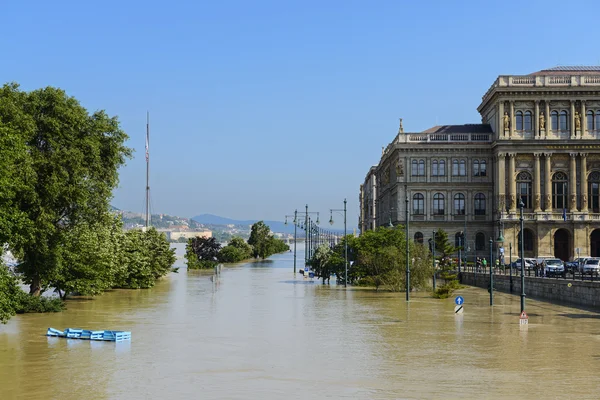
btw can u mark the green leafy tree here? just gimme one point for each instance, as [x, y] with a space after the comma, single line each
[380, 260]
[201, 252]
[446, 267]
[260, 240]
[9, 294]
[147, 256]
[74, 159]
[88, 262]
[320, 262]
[237, 250]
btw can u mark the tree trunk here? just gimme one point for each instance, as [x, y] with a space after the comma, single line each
[35, 287]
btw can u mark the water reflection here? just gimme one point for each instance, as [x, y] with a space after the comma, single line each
[258, 331]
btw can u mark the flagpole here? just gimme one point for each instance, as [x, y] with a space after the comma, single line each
[147, 169]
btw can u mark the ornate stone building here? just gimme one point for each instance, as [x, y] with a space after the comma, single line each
[539, 143]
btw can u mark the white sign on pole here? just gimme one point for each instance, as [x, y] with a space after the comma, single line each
[523, 319]
[458, 309]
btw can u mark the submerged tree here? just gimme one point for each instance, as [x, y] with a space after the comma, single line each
[72, 166]
[201, 252]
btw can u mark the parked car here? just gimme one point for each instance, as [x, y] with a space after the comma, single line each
[553, 267]
[572, 266]
[580, 263]
[591, 266]
[529, 263]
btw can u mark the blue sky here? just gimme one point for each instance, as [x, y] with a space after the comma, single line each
[259, 107]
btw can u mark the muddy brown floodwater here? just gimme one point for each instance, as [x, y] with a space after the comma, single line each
[258, 332]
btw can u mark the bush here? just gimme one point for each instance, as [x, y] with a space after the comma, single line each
[38, 304]
[446, 290]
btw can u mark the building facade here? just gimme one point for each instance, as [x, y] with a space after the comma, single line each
[539, 144]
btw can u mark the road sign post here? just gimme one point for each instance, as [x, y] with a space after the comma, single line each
[523, 319]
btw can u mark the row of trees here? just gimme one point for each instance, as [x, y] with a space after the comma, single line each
[204, 253]
[59, 167]
[378, 258]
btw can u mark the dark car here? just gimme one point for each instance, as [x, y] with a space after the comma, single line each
[571, 266]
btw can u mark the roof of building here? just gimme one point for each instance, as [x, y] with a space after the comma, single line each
[578, 69]
[466, 128]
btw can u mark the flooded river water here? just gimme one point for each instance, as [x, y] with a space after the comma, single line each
[258, 332]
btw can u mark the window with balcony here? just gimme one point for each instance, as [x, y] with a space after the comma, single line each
[418, 204]
[479, 205]
[438, 204]
[559, 190]
[594, 192]
[524, 188]
[459, 204]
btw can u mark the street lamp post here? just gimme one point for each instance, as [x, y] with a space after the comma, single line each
[491, 272]
[407, 250]
[522, 248]
[345, 241]
[510, 265]
[433, 251]
[459, 253]
[295, 234]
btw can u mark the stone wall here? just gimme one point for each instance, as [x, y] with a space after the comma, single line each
[581, 293]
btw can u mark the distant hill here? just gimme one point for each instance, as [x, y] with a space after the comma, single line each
[275, 226]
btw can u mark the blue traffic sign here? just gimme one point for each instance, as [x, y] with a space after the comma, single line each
[459, 300]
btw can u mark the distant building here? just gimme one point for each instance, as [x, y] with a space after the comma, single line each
[175, 235]
[539, 143]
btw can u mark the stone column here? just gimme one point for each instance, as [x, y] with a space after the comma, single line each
[536, 183]
[573, 132]
[500, 131]
[536, 120]
[583, 183]
[512, 183]
[548, 183]
[548, 118]
[573, 183]
[501, 182]
[583, 119]
[512, 119]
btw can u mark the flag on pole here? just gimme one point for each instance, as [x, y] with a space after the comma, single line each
[564, 214]
[147, 152]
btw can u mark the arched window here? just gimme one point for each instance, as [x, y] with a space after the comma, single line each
[442, 168]
[479, 204]
[454, 167]
[462, 170]
[480, 241]
[564, 121]
[434, 168]
[458, 239]
[597, 122]
[438, 204]
[475, 167]
[418, 237]
[554, 120]
[594, 191]
[519, 120]
[459, 204]
[524, 188]
[418, 204]
[421, 167]
[482, 168]
[414, 170]
[590, 120]
[527, 121]
[559, 190]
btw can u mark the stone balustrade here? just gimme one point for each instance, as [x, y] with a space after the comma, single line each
[444, 137]
[542, 81]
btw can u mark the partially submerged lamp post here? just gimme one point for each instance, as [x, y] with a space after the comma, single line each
[345, 240]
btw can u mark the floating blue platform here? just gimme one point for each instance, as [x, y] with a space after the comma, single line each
[107, 336]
